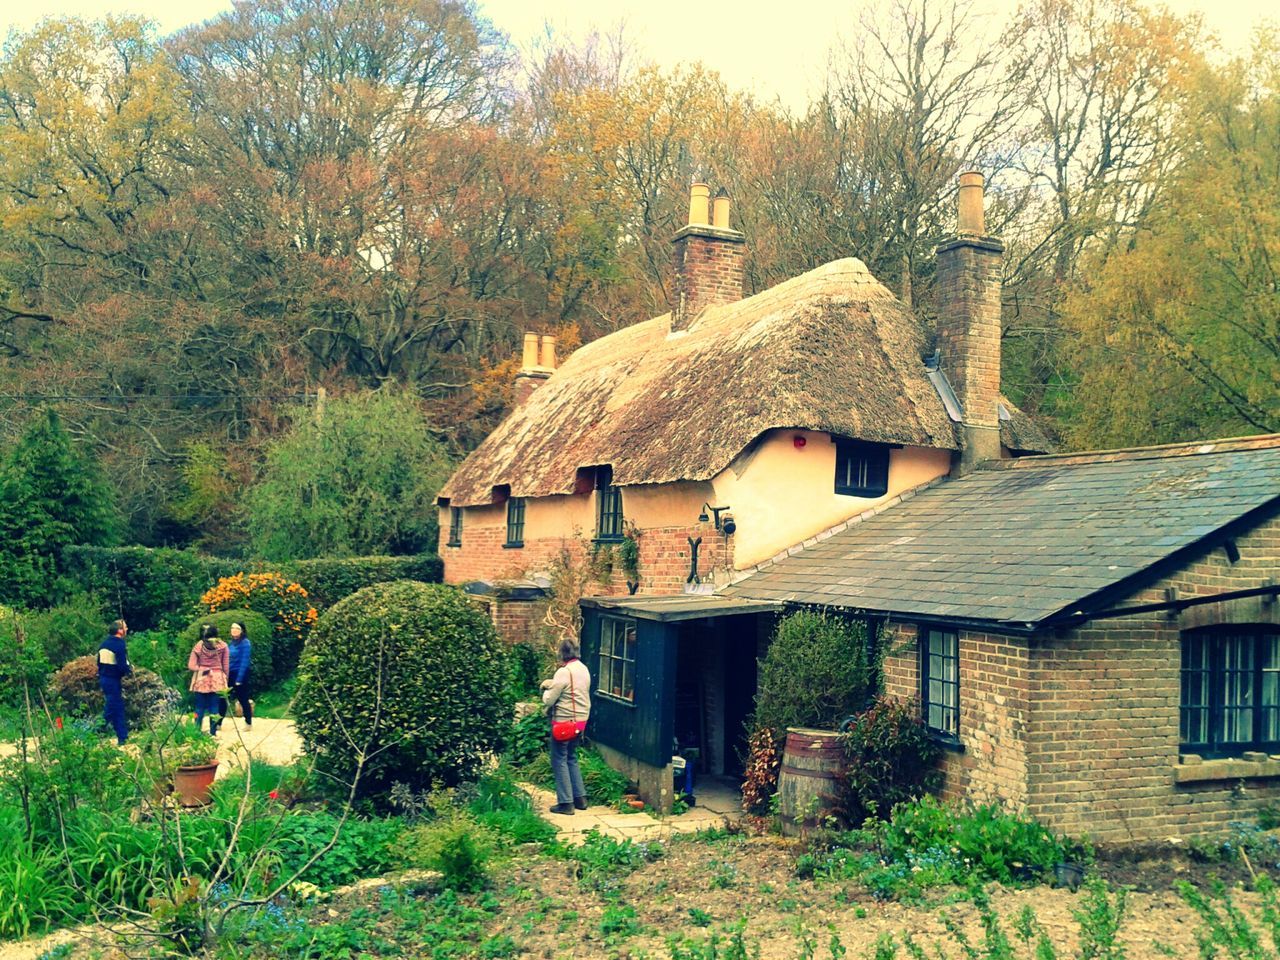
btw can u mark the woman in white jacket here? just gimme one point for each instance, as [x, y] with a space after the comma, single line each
[567, 697]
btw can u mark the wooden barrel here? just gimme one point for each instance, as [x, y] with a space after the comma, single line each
[812, 761]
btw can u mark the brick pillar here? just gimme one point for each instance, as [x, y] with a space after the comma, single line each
[709, 266]
[969, 289]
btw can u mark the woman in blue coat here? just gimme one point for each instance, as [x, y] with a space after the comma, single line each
[238, 672]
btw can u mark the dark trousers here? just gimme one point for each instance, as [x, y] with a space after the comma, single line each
[564, 767]
[113, 708]
[207, 706]
[240, 695]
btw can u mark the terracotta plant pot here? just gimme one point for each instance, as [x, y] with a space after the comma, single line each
[635, 804]
[193, 784]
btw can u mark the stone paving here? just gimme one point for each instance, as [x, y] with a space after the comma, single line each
[717, 807]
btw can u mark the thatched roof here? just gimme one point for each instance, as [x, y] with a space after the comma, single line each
[1020, 433]
[830, 350]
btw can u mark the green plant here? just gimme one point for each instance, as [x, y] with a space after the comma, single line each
[529, 664]
[362, 848]
[361, 481]
[500, 805]
[51, 496]
[75, 688]
[819, 669]
[403, 682]
[174, 742]
[262, 638]
[528, 739]
[457, 846]
[619, 924]
[890, 759]
[602, 862]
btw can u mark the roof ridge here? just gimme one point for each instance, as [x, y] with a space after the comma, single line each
[740, 575]
[1186, 448]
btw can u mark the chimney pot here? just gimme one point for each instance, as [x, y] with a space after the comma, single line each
[720, 209]
[548, 353]
[699, 205]
[530, 359]
[970, 219]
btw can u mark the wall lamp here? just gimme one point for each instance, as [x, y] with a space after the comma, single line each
[726, 525]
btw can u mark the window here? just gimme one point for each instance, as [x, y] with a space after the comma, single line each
[455, 527]
[515, 522]
[1230, 691]
[862, 469]
[940, 682]
[608, 508]
[617, 674]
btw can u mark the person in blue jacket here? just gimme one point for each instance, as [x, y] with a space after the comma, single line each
[113, 667]
[238, 671]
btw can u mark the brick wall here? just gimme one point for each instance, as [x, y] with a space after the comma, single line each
[708, 270]
[517, 621]
[1103, 747]
[994, 682]
[664, 564]
[1081, 728]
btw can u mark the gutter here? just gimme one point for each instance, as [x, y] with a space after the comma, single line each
[1073, 620]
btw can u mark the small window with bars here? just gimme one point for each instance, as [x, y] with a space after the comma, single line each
[616, 677]
[1230, 689]
[455, 527]
[862, 469]
[515, 522]
[940, 682]
[609, 525]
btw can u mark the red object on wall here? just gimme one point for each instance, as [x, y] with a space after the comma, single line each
[799, 441]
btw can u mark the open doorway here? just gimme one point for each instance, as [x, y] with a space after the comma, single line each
[715, 691]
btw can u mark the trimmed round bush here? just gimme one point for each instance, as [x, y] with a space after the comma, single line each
[262, 668]
[76, 686]
[411, 675]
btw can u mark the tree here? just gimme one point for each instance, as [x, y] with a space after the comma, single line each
[358, 477]
[1179, 334]
[51, 496]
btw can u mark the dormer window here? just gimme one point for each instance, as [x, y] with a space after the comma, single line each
[608, 506]
[862, 469]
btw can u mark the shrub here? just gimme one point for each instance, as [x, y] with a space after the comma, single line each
[817, 671]
[760, 777]
[528, 739]
[458, 847]
[411, 674]
[330, 579]
[891, 759]
[76, 686]
[284, 603]
[256, 627]
[529, 664]
[162, 652]
[149, 587]
[364, 848]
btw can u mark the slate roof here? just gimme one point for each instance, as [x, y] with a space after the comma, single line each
[1018, 541]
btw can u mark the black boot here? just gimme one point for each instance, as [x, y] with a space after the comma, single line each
[213, 726]
[564, 809]
[580, 803]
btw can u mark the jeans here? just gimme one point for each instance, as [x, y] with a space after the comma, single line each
[113, 709]
[207, 704]
[240, 694]
[564, 765]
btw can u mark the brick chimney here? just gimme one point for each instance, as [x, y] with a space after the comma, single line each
[537, 364]
[968, 279]
[708, 258]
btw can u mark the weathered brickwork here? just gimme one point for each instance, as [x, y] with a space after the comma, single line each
[664, 562]
[708, 271]
[994, 682]
[969, 293]
[517, 621]
[1080, 728]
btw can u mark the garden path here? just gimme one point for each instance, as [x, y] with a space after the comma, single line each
[715, 809]
[274, 741]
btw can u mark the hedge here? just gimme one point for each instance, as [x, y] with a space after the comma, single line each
[161, 587]
[329, 580]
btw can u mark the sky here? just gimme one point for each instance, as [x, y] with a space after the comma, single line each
[781, 53]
